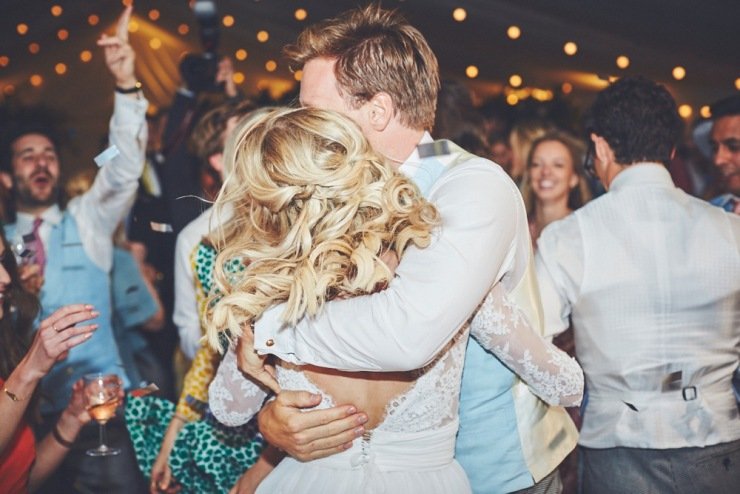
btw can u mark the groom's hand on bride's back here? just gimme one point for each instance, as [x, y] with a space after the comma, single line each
[312, 434]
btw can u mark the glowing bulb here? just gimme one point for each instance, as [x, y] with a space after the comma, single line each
[9, 89]
[705, 111]
[570, 48]
[56, 10]
[263, 36]
[93, 20]
[623, 61]
[515, 80]
[22, 28]
[679, 73]
[36, 80]
[228, 20]
[155, 43]
[183, 29]
[34, 48]
[298, 75]
[133, 26]
[685, 111]
[512, 99]
[566, 88]
[471, 71]
[737, 83]
[514, 32]
[271, 66]
[60, 68]
[4, 61]
[86, 56]
[238, 77]
[459, 14]
[62, 34]
[154, 14]
[300, 14]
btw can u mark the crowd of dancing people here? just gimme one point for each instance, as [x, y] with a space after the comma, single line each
[380, 287]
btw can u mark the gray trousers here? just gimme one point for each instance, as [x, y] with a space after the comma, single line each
[709, 470]
[551, 484]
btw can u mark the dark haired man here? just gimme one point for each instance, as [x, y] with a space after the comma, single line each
[650, 277]
[73, 249]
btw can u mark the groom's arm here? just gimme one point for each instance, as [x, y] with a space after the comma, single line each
[435, 291]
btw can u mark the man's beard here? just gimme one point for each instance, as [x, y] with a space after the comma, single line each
[26, 198]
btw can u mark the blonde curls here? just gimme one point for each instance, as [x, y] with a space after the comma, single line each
[312, 208]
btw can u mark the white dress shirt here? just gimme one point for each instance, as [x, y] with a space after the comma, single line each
[99, 210]
[483, 238]
[185, 314]
[651, 279]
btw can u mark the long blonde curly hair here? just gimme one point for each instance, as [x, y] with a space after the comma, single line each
[312, 208]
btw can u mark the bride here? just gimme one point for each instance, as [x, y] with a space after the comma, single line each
[318, 213]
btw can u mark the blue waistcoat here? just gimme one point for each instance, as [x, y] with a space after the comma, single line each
[72, 278]
[508, 438]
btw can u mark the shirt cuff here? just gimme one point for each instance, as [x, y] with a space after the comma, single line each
[272, 336]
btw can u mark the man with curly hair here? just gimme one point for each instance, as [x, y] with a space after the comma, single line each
[650, 278]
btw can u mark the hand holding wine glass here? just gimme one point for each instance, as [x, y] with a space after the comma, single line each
[103, 394]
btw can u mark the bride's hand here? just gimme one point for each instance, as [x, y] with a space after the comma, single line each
[390, 258]
[253, 364]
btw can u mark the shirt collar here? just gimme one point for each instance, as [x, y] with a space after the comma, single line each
[641, 174]
[52, 215]
[413, 162]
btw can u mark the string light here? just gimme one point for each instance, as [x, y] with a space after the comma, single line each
[513, 32]
[623, 61]
[471, 71]
[62, 34]
[298, 75]
[60, 68]
[241, 54]
[512, 99]
[86, 55]
[705, 111]
[4, 61]
[154, 14]
[22, 28]
[155, 43]
[679, 73]
[56, 10]
[566, 88]
[685, 111]
[459, 14]
[238, 77]
[570, 48]
[133, 26]
[36, 80]
[183, 29]
[34, 48]
[271, 66]
[737, 83]
[228, 20]
[93, 20]
[515, 80]
[300, 14]
[263, 36]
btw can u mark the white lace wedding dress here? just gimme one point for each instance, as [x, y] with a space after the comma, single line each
[412, 450]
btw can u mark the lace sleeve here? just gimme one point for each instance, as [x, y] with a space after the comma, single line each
[233, 398]
[501, 328]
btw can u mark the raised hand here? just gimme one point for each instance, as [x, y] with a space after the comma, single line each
[56, 335]
[119, 56]
[225, 74]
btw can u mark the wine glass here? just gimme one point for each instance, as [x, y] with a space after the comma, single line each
[101, 400]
